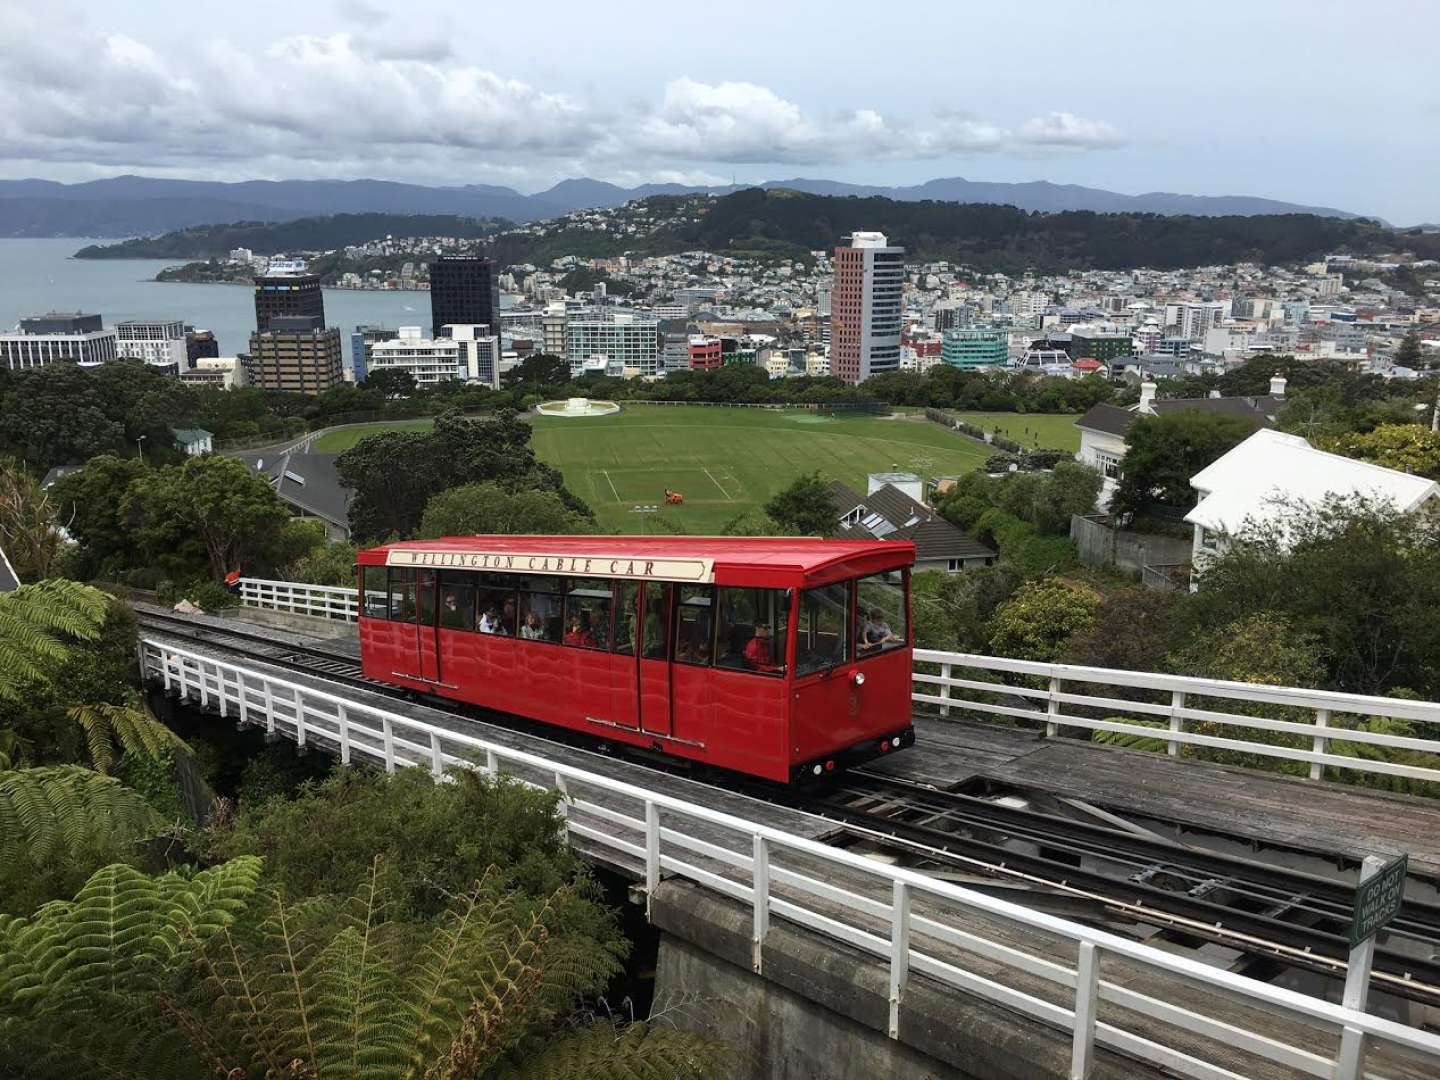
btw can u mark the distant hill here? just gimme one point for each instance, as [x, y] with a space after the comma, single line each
[788, 223]
[139, 205]
[302, 234]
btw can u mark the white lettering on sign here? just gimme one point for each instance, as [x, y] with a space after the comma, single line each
[619, 566]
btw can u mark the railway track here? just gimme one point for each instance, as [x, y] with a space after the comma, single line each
[1271, 914]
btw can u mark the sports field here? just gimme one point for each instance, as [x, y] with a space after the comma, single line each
[1049, 431]
[724, 461]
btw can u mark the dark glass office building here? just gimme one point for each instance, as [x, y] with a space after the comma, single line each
[288, 295]
[463, 289]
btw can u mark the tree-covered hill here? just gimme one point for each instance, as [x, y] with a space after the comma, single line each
[303, 234]
[1004, 238]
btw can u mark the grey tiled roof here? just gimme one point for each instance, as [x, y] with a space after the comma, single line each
[308, 482]
[934, 537]
[1110, 419]
[1114, 420]
[9, 580]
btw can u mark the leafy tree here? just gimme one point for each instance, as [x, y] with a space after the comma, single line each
[538, 369]
[1042, 616]
[324, 564]
[1408, 354]
[1407, 447]
[1357, 576]
[28, 528]
[391, 382]
[489, 508]
[1135, 629]
[953, 611]
[90, 504]
[216, 504]
[806, 508]
[1163, 452]
[396, 473]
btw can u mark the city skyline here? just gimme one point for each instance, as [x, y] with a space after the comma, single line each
[1237, 105]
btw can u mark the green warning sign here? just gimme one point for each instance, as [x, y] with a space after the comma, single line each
[1377, 900]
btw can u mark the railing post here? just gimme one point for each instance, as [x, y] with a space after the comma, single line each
[1177, 722]
[222, 691]
[437, 756]
[492, 764]
[945, 670]
[388, 737]
[165, 669]
[1087, 988]
[899, 951]
[203, 683]
[299, 699]
[652, 853]
[1321, 744]
[760, 899]
[269, 708]
[564, 789]
[1350, 1063]
[242, 698]
[344, 735]
[1052, 708]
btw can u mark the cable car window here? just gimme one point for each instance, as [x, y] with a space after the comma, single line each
[425, 596]
[625, 601]
[753, 627]
[540, 617]
[377, 597]
[695, 624]
[880, 613]
[824, 639]
[402, 595]
[655, 645]
[587, 613]
[495, 605]
[457, 600]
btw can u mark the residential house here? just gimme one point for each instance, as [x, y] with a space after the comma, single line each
[1104, 427]
[891, 510]
[309, 484]
[194, 441]
[1253, 483]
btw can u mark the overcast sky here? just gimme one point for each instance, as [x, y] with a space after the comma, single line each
[1326, 102]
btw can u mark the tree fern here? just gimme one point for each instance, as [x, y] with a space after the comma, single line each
[113, 730]
[47, 811]
[634, 1051]
[39, 623]
[123, 931]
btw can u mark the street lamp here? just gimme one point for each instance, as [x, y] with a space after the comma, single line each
[140, 449]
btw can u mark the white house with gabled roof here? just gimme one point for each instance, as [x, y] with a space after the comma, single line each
[1252, 483]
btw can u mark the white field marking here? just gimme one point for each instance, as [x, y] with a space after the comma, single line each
[717, 484]
[612, 484]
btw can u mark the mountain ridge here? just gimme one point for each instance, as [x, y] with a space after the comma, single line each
[139, 205]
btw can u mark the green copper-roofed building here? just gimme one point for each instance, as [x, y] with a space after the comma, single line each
[975, 348]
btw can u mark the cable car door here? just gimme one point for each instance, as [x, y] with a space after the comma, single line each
[624, 657]
[427, 640]
[657, 610]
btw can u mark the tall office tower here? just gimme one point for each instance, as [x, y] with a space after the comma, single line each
[287, 291]
[865, 307]
[297, 353]
[464, 291]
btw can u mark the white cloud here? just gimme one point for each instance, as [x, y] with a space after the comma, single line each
[396, 100]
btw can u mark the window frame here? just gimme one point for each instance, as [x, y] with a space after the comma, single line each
[676, 623]
[846, 635]
[780, 622]
[367, 594]
[905, 638]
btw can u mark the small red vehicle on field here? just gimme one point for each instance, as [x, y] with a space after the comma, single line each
[781, 658]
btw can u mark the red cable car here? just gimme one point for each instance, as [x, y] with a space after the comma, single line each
[778, 657]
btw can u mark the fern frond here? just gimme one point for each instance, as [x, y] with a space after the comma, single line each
[114, 730]
[65, 808]
[39, 624]
[635, 1051]
[121, 932]
[1136, 741]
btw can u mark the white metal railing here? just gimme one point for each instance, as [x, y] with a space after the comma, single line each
[893, 913]
[1316, 718]
[324, 601]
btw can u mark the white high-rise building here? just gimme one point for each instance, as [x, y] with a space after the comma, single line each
[632, 340]
[48, 339]
[470, 354]
[1191, 320]
[865, 307]
[160, 343]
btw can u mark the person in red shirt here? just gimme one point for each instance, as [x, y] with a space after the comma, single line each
[232, 580]
[576, 634]
[758, 654]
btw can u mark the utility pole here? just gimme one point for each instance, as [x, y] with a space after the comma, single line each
[140, 448]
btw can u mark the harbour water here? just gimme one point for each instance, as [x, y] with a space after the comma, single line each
[37, 276]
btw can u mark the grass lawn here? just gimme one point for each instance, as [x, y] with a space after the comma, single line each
[724, 461]
[1049, 431]
[347, 437]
